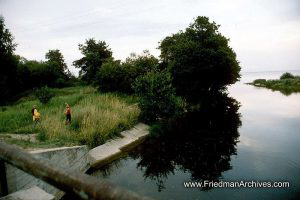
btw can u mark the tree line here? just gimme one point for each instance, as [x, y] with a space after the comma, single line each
[193, 63]
[19, 74]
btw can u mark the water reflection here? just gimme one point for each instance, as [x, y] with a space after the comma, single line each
[200, 143]
[284, 91]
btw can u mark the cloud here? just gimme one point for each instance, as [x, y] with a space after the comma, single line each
[264, 34]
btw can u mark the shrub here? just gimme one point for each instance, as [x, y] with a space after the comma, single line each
[60, 83]
[157, 96]
[259, 81]
[112, 77]
[44, 94]
[158, 129]
[116, 76]
[42, 136]
[286, 76]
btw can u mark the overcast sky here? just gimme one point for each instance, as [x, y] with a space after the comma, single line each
[265, 34]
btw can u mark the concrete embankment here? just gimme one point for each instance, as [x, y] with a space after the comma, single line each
[67, 158]
[78, 158]
[34, 193]
[113, 149]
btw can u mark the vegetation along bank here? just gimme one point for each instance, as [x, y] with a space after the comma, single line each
[287, 84]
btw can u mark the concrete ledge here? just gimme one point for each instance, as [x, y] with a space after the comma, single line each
[55, 149]
[113, 149]
[34, 193]
[72, 159]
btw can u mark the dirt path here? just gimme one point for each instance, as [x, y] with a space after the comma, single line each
[27, 137]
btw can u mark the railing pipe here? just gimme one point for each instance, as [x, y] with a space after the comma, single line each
[84, 186]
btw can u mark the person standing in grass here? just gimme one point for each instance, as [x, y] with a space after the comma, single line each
[68, 114]
[36, 116]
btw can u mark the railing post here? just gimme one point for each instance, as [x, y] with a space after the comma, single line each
[3, 181]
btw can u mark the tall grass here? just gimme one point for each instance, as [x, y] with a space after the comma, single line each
[95, 117]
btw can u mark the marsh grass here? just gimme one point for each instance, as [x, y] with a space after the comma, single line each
[95, 117]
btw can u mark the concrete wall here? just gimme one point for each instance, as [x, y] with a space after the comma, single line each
[68, 158]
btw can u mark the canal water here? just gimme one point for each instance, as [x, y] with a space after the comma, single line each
[250, 134]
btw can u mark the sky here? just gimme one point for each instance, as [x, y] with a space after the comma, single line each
[265, 34]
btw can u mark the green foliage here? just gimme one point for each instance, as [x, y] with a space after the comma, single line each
[259, 81]
[94, 54]
[200, 60]
[7, 46]
[117, 76]
[157, 96]
[18, 74]
[287, 84]
[158, 129]
[53, 72]
[8, 64]
[43, 94]
[286, 76]
[55, 60]
[111, 77]
[42, 136]
[141, 64]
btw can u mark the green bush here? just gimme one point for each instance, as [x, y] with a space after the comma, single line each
[286, 76]
[116, 76]
[259, 81]
[112, 76]
[158, 129]
[43, 94]
[157, 96]
[42, 136]
[60, 83]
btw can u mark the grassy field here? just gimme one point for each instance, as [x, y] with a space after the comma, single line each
[95, 118]
[286, 86]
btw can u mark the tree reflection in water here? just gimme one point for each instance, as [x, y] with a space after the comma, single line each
[200, 143]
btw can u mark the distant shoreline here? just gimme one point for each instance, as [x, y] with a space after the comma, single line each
[287, 83]
[289, 70]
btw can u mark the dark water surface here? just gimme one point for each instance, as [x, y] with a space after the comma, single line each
[260, 141]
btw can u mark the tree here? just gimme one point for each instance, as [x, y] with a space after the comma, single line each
[141, 64]
[200, 60]
[8, 64]
[111, 77]
[55, 59]
[157, 96]
[58, 68]
[94, 54]
[286, 75]
[33, 74]
[117, 76]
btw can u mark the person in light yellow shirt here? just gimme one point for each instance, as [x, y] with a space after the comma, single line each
[36, 116]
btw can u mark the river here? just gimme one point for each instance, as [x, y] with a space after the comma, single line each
[260, 141]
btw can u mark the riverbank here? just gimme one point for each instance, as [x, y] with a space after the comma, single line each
[287, 84]
[96, 118]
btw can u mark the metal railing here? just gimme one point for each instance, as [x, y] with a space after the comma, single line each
[82, 185]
